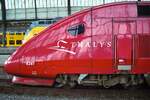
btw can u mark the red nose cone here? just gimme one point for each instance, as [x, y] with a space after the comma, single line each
[11, 67]
[8, 68]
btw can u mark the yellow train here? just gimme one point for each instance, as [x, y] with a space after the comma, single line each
[38, 26]
[13, 39]
[33, 32]
[16, 39]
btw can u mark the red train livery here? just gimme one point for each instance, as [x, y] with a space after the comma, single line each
[104, 45]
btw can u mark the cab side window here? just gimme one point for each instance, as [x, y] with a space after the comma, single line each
[76, 29]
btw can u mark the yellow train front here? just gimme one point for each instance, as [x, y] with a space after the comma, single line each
[13, 39]
[16, 38]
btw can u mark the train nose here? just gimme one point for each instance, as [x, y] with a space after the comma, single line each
[11, 66]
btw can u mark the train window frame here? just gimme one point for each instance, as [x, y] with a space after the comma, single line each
[18, 33]
[41, 22]
[76, 29]
[143, 10]
[18, 42]
[11, 42]
[12, 33]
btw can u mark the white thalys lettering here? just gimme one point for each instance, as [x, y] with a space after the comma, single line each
[94, 44]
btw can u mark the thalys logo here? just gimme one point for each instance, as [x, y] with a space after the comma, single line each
[62, 48]
[60, 45]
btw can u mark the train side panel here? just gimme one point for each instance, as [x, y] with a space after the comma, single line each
[102, 47]
[102, 40]
[142, 46]
[60, 49]
[113, 27]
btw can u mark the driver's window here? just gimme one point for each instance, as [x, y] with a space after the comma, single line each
[76, 29]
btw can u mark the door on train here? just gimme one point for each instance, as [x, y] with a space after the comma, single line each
[124, 32]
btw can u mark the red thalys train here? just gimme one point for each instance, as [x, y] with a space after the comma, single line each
[104, 45]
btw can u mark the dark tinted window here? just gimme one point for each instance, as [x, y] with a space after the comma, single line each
[41, 22]
[11, 42]
[11, 33]
[19, 42]
[144, 10]
[49, 22]
[76, 29]
[18, 33]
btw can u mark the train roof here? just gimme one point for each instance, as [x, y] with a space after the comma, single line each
[121, 3]
[93, 8]
[99, 7]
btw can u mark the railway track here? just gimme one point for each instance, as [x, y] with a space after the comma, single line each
[5, 79]
[5, 83]
[17, 92]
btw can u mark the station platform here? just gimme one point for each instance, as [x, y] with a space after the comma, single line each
[7, 51]
[4, 75]
[4, 54]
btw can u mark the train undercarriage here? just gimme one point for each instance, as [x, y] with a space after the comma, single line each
[106, 81]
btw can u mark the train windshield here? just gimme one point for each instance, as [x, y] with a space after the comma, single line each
[144, 10]
[76, 29]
